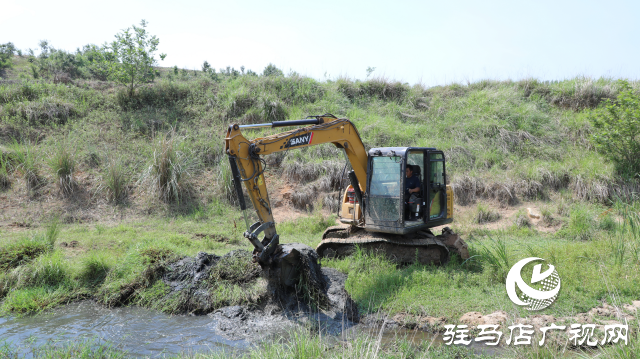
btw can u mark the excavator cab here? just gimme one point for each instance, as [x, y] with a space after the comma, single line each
[388, 207]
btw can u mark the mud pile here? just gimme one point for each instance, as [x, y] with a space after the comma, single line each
[206, 283]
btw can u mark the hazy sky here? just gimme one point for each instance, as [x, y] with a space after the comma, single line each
[432, 42]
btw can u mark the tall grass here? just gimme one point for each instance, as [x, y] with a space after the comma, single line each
[485, 214]
[63, 164]
[495, 256]
[169, 169]
[5, 181]
[26, 163]
[115, 182]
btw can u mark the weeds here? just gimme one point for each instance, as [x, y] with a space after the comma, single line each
[486, 215]
[115, 182]
[522, 220]
[26, 163]
[169, 170]
[496, 256]
[62, 163]
[94, 269]
[5, 181]
[21, 252]
[581, 224]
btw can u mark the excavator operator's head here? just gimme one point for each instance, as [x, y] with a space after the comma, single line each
[409, 171]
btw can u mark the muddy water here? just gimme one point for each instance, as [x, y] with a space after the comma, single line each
[141, 332]
[148, 333]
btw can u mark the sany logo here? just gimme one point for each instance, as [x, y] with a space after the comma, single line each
[299, 140]
[535, 299]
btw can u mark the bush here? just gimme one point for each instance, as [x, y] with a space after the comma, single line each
[115, 182]
[486, 215]
[272, 70]
[62, 163]
[581, 225]
[25, 162]
[6, 54]
[169, 169]
[617, 130]
[5, 181]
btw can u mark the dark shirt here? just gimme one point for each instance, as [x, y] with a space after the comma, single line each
[410, 183]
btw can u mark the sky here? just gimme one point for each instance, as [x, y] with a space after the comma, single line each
[426, 42]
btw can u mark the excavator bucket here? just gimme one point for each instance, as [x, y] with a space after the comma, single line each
[455, 244]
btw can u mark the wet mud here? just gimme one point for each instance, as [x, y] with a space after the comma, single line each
[318, 300]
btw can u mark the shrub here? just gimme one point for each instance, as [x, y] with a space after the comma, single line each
[272, 70]
[486, 215]
[522, 219]
[169, 169]
[5, 181]
[62, 163]
[617, 130]
[115, 181]
[581, 225]
[6, 54]
[25, 161]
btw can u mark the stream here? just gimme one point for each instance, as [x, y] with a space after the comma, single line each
[148, 333]
[139, 331]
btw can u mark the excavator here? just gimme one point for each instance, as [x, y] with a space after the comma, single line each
[376, 211]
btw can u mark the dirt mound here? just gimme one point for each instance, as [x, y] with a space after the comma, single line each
[194, 284]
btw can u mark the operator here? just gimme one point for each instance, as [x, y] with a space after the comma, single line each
[411, 190]
[411, 184]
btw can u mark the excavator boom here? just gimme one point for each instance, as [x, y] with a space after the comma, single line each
[247, 167]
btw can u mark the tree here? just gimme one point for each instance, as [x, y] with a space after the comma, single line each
[134, 52]
[206, 67]
[6, 54]
[617, 130]
[272, 70]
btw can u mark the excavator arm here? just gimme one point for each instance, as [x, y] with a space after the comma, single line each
[247, 166]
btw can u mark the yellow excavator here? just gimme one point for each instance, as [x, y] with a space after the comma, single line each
[376, 210]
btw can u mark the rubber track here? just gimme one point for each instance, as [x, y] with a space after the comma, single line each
[339, 241]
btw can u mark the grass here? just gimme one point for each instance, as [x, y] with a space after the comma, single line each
[63, 164]
[25, 159]
[169, 169]
[5, 181]
[88, 349]
[115, 182]
[486, 215]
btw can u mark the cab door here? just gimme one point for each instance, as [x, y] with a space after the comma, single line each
[435, 187]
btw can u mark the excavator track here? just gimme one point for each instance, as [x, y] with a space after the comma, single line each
[423, 246]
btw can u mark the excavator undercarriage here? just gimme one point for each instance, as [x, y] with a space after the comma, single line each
[422, 246]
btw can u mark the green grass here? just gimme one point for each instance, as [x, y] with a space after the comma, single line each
[62, 164]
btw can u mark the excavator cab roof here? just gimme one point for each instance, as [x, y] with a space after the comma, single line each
[396, 151]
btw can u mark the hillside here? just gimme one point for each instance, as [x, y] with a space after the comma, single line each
[505, 141]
